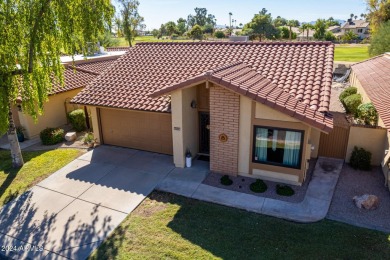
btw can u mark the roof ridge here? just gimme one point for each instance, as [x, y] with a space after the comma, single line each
[372, 58]
[237, 43]
[69, 66]
[224, 67]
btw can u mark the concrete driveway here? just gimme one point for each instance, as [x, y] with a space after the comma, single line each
[70, 213]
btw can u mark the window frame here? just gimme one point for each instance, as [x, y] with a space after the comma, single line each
[282, 129]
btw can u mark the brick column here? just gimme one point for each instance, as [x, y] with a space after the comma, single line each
[224, 119]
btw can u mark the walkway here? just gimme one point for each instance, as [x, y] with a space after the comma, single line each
[70, 213]
[313, 208]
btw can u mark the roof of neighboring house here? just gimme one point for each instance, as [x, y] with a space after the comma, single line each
[334, 27]
[355, 24]
[298, 71]
[82, 73]
[111, 49]
[374, 76]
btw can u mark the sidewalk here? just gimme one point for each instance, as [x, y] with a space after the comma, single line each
[314, 207]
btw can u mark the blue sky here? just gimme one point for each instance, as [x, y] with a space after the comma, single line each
[157, 12]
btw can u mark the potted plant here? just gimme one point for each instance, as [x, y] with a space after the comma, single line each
[188, 158]
[89, 140]
[20, 134]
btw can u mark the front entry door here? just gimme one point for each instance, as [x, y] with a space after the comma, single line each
[204, 133]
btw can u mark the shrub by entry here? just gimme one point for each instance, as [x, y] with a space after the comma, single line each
[51, 136]
[347, 92]
[225, 180]
[77, 119]
[258, 186]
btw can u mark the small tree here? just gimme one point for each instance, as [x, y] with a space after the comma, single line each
[219, 34]
[329, 36]
[196, 33]
[171, 27]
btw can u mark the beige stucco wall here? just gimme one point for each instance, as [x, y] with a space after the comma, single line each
[54, 114]
[190, 121]
[95, 123]
[265, 112]
[314, 141]
[244, 142]
[371, 139]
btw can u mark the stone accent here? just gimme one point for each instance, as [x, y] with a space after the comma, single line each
[366, 201]
[70, 136]
[224, 119]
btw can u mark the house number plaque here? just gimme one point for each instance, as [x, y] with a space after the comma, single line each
[223, 138]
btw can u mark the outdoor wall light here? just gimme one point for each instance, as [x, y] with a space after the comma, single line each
[193, 104]
[312, 147]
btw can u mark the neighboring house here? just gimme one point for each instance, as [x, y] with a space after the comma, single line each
[334, 29]
[372, 78]
[76, 77]
[257, 109]
[359, 27]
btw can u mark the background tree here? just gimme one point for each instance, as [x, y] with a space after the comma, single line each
[349, 36]
[155, 33]
[262, 26]
[131, 19]
[119, 26]
[320, 29]
[163, 31]
[279, 21]
[290, 24]
[329, 36]
[378, 13]
[181, 26]
[196, 32]
[331, 22]
[33, 34]
[380, 42]
[219, 34]
[170, 27]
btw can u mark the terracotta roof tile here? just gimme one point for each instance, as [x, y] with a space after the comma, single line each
[150, 67]
[81, 74]
[374, 76]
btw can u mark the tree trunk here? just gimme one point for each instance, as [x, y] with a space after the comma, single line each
[16, 153]
[289, 35]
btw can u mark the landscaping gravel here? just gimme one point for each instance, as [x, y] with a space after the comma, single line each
[241, 184]
[356, 183]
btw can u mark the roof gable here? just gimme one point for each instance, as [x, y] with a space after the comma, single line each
[242, 79]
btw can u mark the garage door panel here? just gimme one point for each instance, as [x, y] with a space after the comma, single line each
[139, 130]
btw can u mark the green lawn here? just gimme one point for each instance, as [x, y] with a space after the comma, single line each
[354, 53]
[167, 226]
[38, 165]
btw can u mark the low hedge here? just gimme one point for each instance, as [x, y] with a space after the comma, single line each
[352, 103]
[347, 92]
[258, 186]
[367, 114]
[77, 119]
[225, 180]
[50, 136]
[284, 190]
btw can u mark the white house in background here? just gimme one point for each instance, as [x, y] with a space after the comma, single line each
[359, 27]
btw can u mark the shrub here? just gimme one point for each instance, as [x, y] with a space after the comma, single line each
[219, 34]
[88, 138]
[367, 114]
[352, 102]
[77, 119]
[51, 136]
[360, 159]
[284, 190]
[258, 186]
[225, 180]
[347, 92]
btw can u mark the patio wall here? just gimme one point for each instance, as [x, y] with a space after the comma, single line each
[371, 139]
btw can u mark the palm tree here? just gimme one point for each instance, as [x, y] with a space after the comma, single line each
[230, 21]
[308, 28]
[303, 28]
[356, 17]
[352, 15]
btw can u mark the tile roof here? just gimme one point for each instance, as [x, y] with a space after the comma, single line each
[242, 79]
[81, 74]
[302, 70]
[96, 66]
[374, 76]
[111, 49]
[355, 24]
